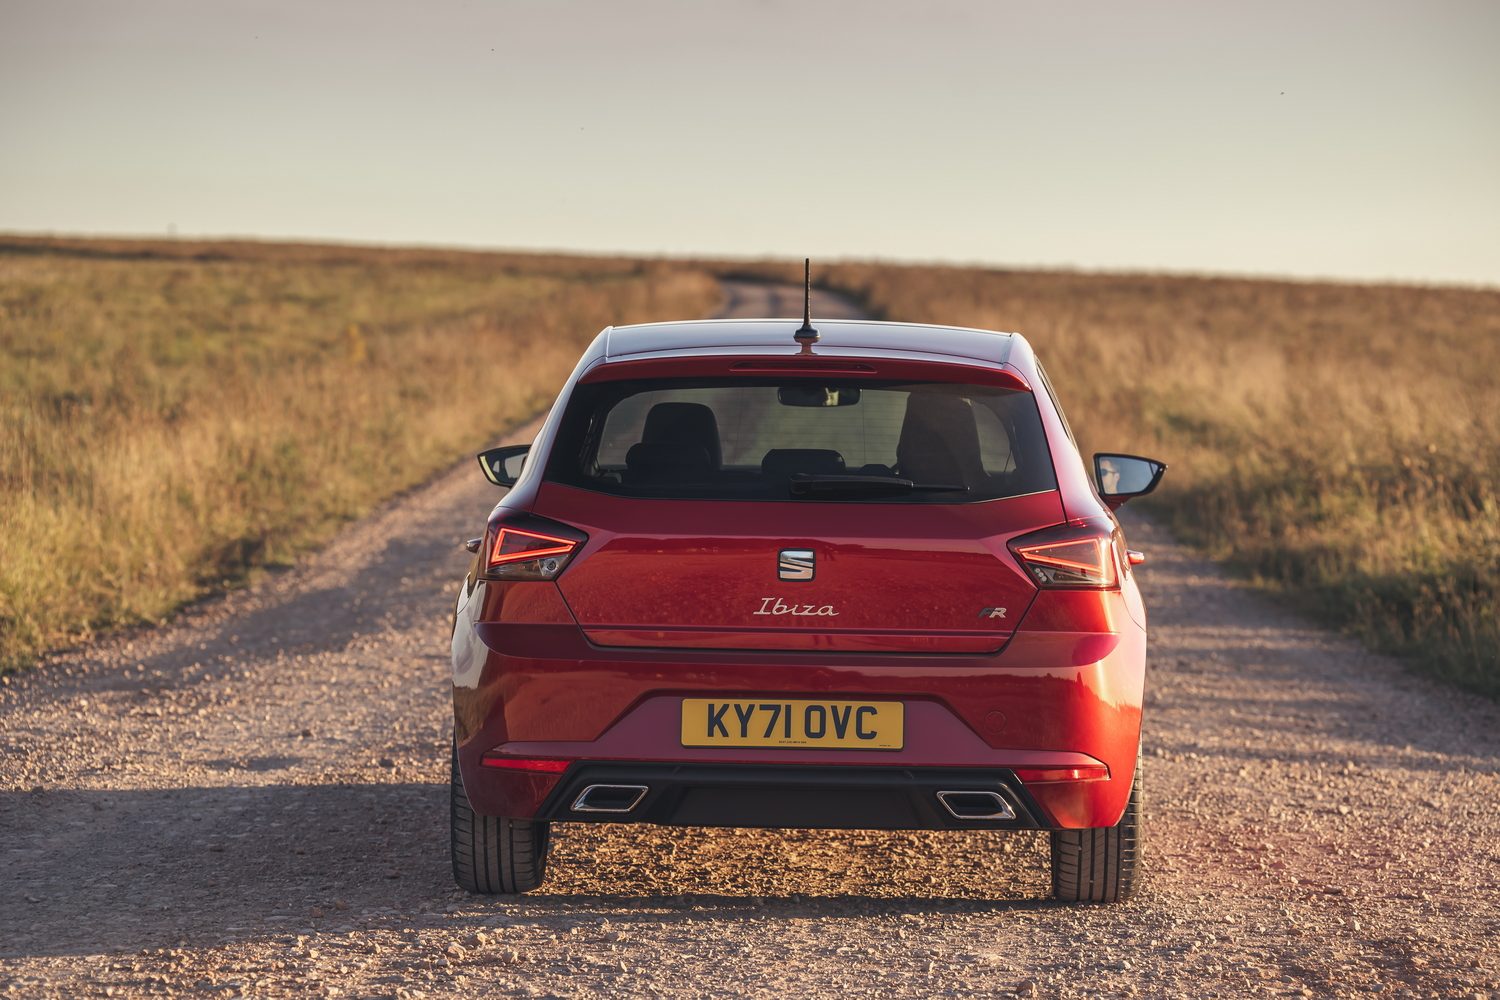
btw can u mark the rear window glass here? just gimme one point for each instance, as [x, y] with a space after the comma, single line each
[798, 439]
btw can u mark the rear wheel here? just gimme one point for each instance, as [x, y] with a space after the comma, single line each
[1099, 865]
[493, 854]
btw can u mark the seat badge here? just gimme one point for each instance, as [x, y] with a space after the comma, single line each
[795, 564]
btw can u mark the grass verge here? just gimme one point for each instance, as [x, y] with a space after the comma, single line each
[1338, 443]
[174, 414]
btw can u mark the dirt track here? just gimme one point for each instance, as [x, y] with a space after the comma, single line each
[253, 802]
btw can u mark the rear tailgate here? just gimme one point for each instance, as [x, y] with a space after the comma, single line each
[929, 578]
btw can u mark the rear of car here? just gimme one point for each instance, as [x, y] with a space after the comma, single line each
[743, 583]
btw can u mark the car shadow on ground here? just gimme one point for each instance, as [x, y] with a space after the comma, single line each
[91, 872]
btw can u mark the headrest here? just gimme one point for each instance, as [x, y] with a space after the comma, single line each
[687, 425]
[783, 463]
[939, 441]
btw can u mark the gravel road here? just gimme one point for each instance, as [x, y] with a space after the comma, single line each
[252, 802]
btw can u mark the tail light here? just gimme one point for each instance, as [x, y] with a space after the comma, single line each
[530, 548]
[1047, 775]
[1083, 553]
[545, 765]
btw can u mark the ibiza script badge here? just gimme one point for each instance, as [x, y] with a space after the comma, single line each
[776, 606]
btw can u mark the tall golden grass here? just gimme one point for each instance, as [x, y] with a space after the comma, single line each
[174, 414]
[1339, 443]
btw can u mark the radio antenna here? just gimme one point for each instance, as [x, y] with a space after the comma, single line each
[806, 335]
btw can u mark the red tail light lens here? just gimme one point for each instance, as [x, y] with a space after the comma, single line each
[1078, 554]
[515, 545]
[546, 765]
[1045, 775]
[530, 550]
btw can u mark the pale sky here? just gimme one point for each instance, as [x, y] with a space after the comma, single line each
[1343, 139]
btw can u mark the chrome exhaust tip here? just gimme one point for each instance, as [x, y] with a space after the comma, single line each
[976, 805]
[609, 798]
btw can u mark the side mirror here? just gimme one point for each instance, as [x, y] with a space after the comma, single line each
[502, 466]
[1120, 477]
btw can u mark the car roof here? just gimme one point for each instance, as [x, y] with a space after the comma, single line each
[774, 337]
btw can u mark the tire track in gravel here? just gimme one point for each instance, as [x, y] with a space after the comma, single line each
[251, 801]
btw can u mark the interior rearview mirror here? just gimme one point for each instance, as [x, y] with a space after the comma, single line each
[1120, 477]
[817, 395]
[502, 466]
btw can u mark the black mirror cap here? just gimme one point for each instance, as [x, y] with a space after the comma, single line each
[1121, 477]
[503, 466]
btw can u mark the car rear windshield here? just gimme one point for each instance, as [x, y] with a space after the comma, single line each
[796, 439]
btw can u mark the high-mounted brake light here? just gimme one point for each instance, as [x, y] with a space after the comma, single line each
[1080, 554]
[529, 553]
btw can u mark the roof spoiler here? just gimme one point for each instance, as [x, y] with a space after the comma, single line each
[727, 363]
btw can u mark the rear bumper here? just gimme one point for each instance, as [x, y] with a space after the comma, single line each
[762, 795]
[1047, 700]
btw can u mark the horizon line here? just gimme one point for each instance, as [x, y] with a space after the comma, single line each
[756, 258]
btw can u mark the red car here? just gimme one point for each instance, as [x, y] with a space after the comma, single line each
[755, 575]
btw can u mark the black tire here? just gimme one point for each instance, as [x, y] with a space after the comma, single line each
[494, 855]
[1099, 865]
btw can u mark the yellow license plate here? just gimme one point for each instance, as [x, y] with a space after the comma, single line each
[825, 725]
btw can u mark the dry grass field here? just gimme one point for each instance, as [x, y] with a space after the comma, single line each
[1339, 443]
[174, 414]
